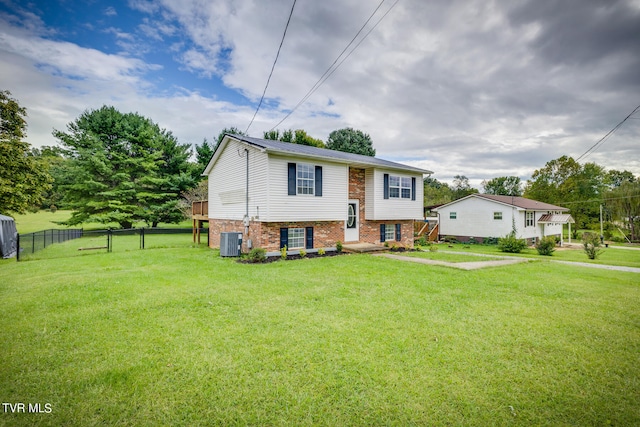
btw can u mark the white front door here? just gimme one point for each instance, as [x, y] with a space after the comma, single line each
[352, 224]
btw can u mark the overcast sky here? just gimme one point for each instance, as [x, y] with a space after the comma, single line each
[475, 88]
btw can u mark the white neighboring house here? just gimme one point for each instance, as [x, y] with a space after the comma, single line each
[483, 215]
[281, 194]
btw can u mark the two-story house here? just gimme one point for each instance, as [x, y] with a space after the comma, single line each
[281, 194]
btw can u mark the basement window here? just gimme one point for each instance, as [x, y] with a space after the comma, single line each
[296, 238]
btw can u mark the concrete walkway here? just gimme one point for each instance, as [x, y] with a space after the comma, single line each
[498, 261]
[474, 265]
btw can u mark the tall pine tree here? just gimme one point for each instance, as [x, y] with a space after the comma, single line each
[125, 168]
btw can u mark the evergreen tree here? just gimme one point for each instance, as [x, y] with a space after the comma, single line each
[125, 169]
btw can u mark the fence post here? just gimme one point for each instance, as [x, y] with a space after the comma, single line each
[142, 238]
[33, 242]
[18, 247]
[109, 240]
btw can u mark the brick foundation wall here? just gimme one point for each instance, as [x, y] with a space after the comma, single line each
[267, 234]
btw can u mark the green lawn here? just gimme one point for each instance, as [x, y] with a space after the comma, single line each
[44, 220]
[180, 336]
[610, 256]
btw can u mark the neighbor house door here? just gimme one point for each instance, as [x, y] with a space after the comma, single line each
[352, 224]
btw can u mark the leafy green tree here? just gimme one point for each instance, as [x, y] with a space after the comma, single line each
[298, 136]
[567, 183]
[232, 130]
[436, 192]
[624, 202]
[23, 178]
[125, 169]
[503, 186]
[351, 141]
[615, 178]
[461, 187]
[58, 164]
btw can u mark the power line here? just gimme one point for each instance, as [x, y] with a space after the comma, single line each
[329, 71]
[611, 132]
[635, 196]
[272, 68]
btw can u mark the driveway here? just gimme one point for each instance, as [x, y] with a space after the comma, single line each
[498, 261]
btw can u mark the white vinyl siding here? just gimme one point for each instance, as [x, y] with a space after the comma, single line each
[227, 183]
[306, 207]
[476, 218]
[379, 208]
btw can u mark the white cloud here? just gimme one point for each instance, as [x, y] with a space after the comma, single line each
[468, 87]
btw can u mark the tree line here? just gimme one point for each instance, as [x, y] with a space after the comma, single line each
[110, 166]
[582, 188]
[119, 167]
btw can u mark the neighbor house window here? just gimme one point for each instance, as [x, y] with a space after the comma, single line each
[497, 215]
[296, 238]
[453, 215]
[305, 178]
[529, 219]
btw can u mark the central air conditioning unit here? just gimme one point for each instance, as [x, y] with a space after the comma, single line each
[230, 244]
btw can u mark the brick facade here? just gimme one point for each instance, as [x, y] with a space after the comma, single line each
[325, 233]
[267, 234]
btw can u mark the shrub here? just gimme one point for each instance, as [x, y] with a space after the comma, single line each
[421, 241]
[546, 245]
[321, 251]
[433, 248]
[339, 246]
[257, 255]
[283, 252]
[472, 241]
[450, 239]
[490, 241]
[591, 244]
[303, 253]
[510, 243]
[53, 208]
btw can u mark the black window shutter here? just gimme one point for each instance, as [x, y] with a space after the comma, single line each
[386, 186]
[398, 232]
[383, 232]
[284, 237]
[309, 239]
[413, 188]
[319, 181]
[292, 179]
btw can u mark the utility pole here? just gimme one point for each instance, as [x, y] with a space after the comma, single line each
[601, 231]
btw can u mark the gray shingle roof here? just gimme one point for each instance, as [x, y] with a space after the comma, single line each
[519, 202]
[357, 160]
[524, 203]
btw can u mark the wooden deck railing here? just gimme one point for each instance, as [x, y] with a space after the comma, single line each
[200, 208]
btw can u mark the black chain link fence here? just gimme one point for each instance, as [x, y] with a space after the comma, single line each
[30, 243]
